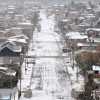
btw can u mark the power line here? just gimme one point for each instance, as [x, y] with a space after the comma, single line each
[47, 56]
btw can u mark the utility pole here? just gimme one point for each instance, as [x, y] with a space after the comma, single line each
[21, 61]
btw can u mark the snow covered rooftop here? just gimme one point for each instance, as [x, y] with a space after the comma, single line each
[84, 24]
[85, 44]
[16, 30]
[93, 29]
[21, 36]
[65, 20]
[7, 71]
[90, 15]
[76, 35]
[11, 45]
[18, 40]
[25, 23]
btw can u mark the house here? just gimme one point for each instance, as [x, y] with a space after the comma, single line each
[96, 70]
[20, 40]
[13, 31]
[73, 15]
[19, 18]
[9, 77]
[95, 76]
[87, 46]
[2, 37]
[83, 26]
[27, 28]
[10, 53]
[63, 25]
[76, 35]
[8, 83]
[2, 22]
[72, 38]
[93, 35]
[93, 32]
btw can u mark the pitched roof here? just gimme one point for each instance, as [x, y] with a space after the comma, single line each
[21, 36]
[19, 39]
[10, 49]
[11, 45]
[76, 35]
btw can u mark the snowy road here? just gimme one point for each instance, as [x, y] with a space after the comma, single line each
[46, 44]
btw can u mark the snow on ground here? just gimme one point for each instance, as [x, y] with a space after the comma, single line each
[46, 67]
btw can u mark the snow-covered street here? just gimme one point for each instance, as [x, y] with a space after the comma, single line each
[49, 50]
[47, 47]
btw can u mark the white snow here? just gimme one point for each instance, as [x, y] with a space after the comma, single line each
[76, 35]
[47, 66]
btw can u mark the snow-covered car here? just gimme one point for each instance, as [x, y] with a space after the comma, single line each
[77, 89]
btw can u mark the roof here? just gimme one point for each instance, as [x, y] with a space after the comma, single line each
[19, 39]
[65, 20]
[76, 35]
[84, 24]
[16, 30]
[21, 36]
[15, 40]
[9, 34]
[86, 44]
[25, 23]
[7, 52]
[90, 16]
[10, 49]
[7, 71]
[93, 29]
[11, 45]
